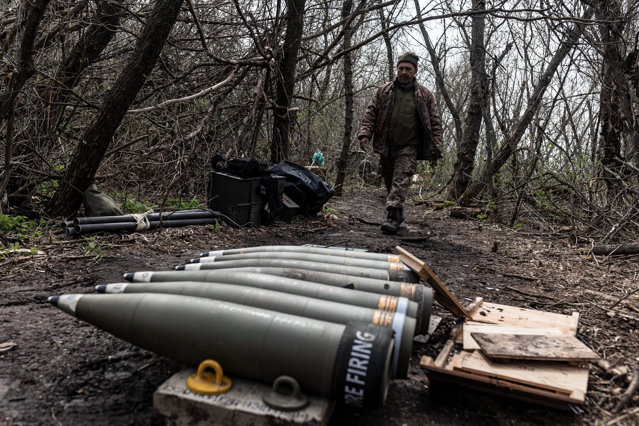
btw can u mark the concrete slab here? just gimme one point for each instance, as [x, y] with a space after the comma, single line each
[174, 404]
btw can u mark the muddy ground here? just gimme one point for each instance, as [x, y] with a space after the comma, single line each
[63, 371]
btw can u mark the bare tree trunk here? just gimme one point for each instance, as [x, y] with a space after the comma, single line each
[348, 101]
[439, 78]
[536, 155]
[491, 139]
[615, 104]
[8, 157]
[285, 81]
[87, 50]
[260, 107]
[464, 165]
[388, 44]
[632, 75]
[534, 101]
[17, 79]
[25, 68]
[89, 154]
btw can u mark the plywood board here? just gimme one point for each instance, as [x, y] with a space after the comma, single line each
[442, 294]
[481, 327]
[534, 347]
[554, 376]
[482, 383]
[494, 313]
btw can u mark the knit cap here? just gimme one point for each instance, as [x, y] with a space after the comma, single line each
[408, 57]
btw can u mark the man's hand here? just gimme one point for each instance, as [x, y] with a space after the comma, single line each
[363, 143]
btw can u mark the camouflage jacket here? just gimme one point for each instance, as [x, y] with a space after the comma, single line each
[375, 122]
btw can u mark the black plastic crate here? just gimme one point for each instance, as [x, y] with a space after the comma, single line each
[289, 208]
[228, 189]
[239, 199]
[243, 214]
[281, 181]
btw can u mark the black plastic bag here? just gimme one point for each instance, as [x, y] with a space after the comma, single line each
[241, 167]
[307, 189]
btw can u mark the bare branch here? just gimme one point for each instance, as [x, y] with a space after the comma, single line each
[186, 98]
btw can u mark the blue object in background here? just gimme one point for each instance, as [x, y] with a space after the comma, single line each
[318, 159]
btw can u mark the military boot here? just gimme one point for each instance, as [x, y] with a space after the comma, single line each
[394, 218]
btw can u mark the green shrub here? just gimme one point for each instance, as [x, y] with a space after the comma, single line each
[19, 228]
[178, 204]
[18, 225]
[134, 206]
[95, 246]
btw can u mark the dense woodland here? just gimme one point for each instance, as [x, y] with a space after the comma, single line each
[539, 100]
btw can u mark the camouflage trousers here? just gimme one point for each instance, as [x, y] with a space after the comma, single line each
[397, 169]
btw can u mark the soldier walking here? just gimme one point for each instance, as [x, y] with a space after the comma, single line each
[403, 122]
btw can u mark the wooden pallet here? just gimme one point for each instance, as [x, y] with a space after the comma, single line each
[550, 382]
[500, 386]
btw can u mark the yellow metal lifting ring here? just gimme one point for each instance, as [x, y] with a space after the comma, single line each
[207, 383]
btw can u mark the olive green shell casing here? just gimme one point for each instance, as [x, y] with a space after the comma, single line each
[307, 257]
[395, 272]
[419, 293]
[285, 285]
[348, 362]
[403, 327]
[327, 251]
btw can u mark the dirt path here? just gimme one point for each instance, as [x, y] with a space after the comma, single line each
[63, 371]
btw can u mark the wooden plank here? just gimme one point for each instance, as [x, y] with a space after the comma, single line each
[534, 347]
[455, 361]
[426, 361]
[475, 305]
[554, 376]
[442, 357]
[504, 388]
[574, 322]
[481, 327]
[442, 294]
[494, 313]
